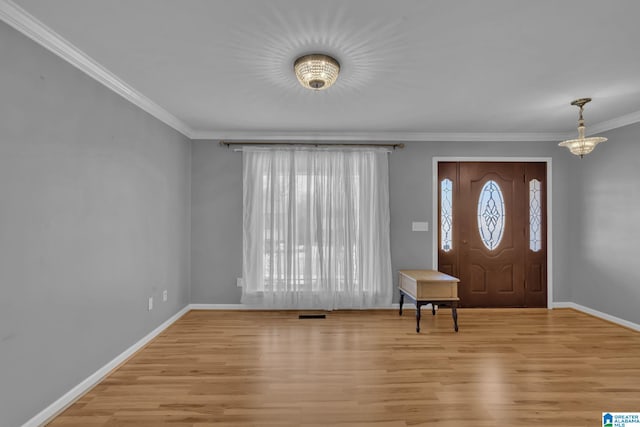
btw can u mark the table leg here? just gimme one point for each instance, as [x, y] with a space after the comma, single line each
[454, 313]
[418, 307]
[401, 302]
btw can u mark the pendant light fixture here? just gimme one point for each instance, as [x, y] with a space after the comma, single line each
[581, 145]
[316, 71]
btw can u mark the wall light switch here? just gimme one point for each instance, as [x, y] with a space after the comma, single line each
[420, 226]
[165, 296]
[150, 303]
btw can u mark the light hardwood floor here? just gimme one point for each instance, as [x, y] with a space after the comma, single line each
[507, 367]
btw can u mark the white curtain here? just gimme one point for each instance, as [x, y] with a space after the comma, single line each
[316, 228]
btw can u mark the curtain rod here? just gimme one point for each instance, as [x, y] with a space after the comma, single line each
[309, 144]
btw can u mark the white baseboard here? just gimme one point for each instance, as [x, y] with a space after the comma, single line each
[221, 307]
[596, 313]
[72, 395]
[394, 306]
[563, 304]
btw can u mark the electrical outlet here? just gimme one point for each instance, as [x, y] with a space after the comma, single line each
[164, 296]
[150, 303]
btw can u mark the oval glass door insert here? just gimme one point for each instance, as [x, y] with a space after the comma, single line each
[491, 215]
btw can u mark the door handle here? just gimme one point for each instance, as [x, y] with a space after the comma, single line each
[464, 242]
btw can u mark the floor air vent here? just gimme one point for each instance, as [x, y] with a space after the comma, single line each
[312, 316]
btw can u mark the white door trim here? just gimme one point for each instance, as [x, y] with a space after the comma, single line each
[434, 204]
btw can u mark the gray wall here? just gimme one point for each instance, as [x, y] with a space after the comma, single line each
[216, 223]
[216, 252]
[605, 227]
[94, 219]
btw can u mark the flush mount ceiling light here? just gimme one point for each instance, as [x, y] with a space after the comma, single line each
[581, 145]
[316, 71]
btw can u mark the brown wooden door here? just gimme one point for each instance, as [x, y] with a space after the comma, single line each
[496, 209]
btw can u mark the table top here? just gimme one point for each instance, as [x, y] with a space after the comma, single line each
[428, 276]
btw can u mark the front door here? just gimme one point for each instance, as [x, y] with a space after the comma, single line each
[493, 232]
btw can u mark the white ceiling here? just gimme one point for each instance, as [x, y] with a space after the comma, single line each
[411, 69]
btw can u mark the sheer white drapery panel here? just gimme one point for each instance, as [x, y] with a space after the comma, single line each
[316, 228]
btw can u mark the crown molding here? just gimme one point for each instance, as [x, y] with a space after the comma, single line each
[615, 123]
[381, 136]
[31, 27]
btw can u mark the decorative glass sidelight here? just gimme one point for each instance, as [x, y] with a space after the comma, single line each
[535, 216]
[491, 215]
[446, 215]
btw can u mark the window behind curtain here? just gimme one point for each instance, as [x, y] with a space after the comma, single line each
[316, 228]
[305, 255]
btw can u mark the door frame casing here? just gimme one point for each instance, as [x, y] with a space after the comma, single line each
[549, 190]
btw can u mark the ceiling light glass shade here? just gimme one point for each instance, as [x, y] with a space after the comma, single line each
[581, 145]
[317, 72]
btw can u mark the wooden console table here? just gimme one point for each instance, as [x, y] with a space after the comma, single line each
[429, 286]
